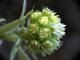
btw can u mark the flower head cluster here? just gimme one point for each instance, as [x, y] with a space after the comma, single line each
[44, 32]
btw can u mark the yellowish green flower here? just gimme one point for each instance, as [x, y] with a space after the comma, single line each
[47, 43]
[35, 16]
[44, 20]
[45, 30]
[33, 28]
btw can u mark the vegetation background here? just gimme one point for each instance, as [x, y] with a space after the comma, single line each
[69, 10]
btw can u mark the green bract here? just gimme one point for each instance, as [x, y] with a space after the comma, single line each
[44, 32]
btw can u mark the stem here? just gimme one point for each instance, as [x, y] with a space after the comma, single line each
[15, 49]
[22, 14]
[24, 9]
[13, 24]
[22, 55]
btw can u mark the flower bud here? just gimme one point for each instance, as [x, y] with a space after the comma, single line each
[35, 44]
[54, 18]
[47, 12]
[47, 44]
[33, 28]
[26, 35]
[35, 16]
[44, 33]
[44, 20]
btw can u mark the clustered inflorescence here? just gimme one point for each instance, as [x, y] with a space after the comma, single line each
[44, 31]
[41, 35]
